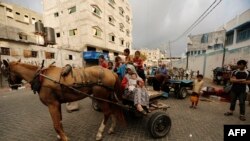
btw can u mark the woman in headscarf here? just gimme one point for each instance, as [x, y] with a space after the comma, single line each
[139, 95]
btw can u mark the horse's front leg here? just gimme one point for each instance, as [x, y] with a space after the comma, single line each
[106, 111]
[55, 112]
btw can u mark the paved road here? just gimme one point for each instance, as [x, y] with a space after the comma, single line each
[24, 118]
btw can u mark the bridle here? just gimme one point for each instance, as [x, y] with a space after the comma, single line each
[17, 82]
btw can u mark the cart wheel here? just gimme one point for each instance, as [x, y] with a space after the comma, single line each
[182, 93]
[159, 124]
[95, 105]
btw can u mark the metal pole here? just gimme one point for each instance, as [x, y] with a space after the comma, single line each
[1, 74]
[223, 57]
[170, 54]
[187, 60]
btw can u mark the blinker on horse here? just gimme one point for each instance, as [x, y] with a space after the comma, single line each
[100, 82]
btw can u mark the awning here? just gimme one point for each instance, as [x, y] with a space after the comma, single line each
[94, 55]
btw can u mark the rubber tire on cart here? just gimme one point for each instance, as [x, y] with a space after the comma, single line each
[182, 93]
[159, 124]
[95, 106]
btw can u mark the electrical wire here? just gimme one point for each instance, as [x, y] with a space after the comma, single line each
[200, 19]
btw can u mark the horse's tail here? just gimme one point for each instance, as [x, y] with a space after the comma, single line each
[118, 111]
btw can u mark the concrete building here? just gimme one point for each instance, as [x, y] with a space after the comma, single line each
[238, 38]
[153, 56]
[236, 46]
[90, 25]
[200, 44]
[19, 41]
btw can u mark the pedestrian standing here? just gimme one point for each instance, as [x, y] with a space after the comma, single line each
[239, 79]
[198, 84]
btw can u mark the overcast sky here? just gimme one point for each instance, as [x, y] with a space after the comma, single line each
[155, 22]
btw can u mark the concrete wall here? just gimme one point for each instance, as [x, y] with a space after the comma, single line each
[214, 59]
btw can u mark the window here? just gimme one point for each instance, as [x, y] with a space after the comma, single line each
[5, 51]
[33, 20]
[121, 41]
[229, 38]
[26, 19]
[217, 46]
[70, 57]
[72, 32]
[116, 54]
[127, 19]
[112, 37]
[58, 35]
[111, 20]
[209, 47]
[34, 54]
[91, 49]
[127, 32]
[56, 14]
[121, 11]
[22, 36]
[121, 27]
[96, 10]
[97, 31]
[243, 35]
[204, 38]
[72, 9]
[9, 10]
[49, 55]
[112, 2]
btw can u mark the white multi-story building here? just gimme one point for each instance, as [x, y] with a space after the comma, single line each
[153, 56]
[90, 25]
[19, 41]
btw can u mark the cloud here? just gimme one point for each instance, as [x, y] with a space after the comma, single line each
[155, 22]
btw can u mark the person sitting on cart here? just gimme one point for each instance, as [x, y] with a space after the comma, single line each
[125, 85]
[129, 79]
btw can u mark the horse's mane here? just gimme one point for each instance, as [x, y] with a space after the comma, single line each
[29, 66]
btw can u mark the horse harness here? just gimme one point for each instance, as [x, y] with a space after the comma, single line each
[85, 82]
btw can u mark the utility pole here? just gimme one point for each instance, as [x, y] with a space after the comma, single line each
[187, 53]
[223, 57]
[1, 74]
[170, 54]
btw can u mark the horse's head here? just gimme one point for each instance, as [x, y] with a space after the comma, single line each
[14, 79]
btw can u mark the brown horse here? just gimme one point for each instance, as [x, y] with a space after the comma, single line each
[100, 82]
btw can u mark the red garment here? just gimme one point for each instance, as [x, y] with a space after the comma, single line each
[138, 63]
[104, 64]
[124, 83]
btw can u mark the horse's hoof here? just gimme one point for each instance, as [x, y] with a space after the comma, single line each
[58, 137]
[98, 137]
